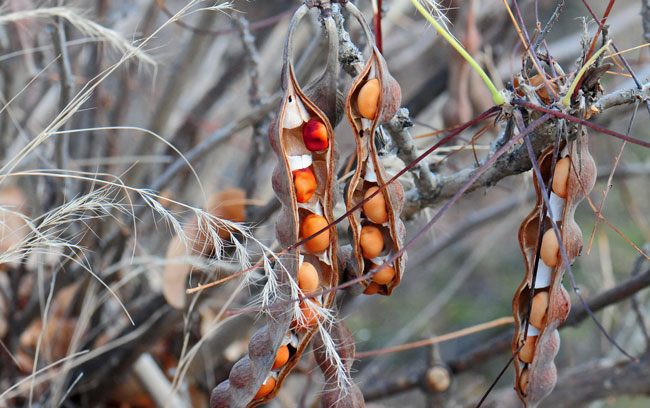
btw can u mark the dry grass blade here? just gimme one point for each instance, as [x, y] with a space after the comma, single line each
[86, 26]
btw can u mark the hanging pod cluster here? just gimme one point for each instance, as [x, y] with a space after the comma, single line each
[376, 229]
[304, 180]
[536, 340]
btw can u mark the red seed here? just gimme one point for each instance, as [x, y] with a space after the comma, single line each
[314, 134]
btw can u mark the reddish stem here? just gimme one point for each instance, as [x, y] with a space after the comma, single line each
[600, 28]
[377, 27]
[593, 43]
[559, 114]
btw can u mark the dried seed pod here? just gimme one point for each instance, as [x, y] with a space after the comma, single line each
[535, 369]
[302, 137]
[373, 98]
[334, 394]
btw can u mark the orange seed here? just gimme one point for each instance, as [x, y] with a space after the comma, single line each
[372, 289]
[368, 99]
[384, 275]
[281, 357]
[375, 208]
[308, 314]
[523, 381]
[307, 277]
[550, 251]
[266, 388]
[305, 183]
[311, 225]
[538, 311]
[371, 241]
[561, 177]
[528, 351]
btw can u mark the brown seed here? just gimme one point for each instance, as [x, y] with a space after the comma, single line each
[266, 388]
[375, 208]
[371, 241]
[281, 357]
[307, 278]
[550, 251]
[311, 225]
[561, 177]
[538, 311]
[369, 99]
[528, 351]
[384, 275]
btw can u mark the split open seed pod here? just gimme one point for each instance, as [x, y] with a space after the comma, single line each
[333, 394]
[302, 138]
[373, 98]
[536, 375]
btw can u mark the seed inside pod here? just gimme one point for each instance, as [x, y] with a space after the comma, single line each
[371, 241]
[523, 380]
[372, 289]
[561, 177]
[369, 98]
[307, 277]
[384, 275]
[528, 351]
[305, 183]
[311, 225]
[538, 311]
[375, 208]
[550, 251]
[266, 387]
[314, 134]
[308, 314]
[281, 357]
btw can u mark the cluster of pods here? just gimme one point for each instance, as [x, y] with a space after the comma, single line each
[304, 180]
[541, 303]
